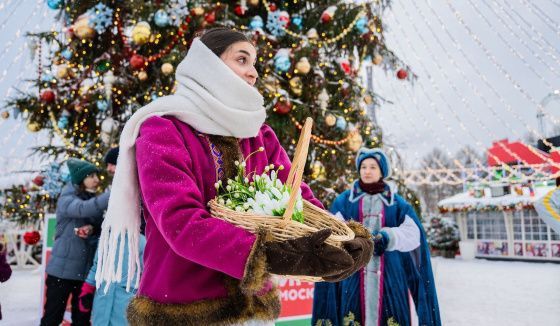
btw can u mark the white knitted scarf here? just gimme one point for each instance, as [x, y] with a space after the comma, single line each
[211, 98]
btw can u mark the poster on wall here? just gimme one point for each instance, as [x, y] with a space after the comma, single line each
[537, 249]
[297, 301]
[492, 248]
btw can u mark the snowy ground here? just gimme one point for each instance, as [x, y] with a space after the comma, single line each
[475, 292]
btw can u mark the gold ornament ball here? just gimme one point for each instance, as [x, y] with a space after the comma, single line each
[303, 66]
[62, 71]
[296, 86]
[142, 75]
[82, 30]
[330, 120]
[167, 68]
[377, 59]
[78, 108]
[5, 114]
[33, 126]
[355, 142]
[141, 33]
[368, 99]
[198, 11]
[318, 171]
[253, 2]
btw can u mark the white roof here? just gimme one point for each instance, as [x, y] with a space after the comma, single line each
[466, 201]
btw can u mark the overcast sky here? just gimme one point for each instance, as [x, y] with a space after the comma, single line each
[483, 67]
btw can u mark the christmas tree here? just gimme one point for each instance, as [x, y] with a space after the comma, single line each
[443, 237]
[110, 58]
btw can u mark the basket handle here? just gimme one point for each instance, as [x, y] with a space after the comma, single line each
[298, 165]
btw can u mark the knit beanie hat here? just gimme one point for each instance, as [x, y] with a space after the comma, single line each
[112, 155]
[378, 155]
[80, 169]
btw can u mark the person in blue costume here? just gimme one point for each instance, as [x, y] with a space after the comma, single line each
[400, 267]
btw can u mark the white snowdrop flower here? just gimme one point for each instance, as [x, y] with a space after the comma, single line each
[281, 167]
[261, 149]
[246, 180]
[228, 202]
[251, 188]
[236, 163]
[246, 206]
[266, 169]
[217, 185]
[221, 201]
[236, 195]
[243, 164]
[229, 181]
[238, 209]
[228, 188]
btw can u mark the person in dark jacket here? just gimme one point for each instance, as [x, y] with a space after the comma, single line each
[79, 214]
[5, 269]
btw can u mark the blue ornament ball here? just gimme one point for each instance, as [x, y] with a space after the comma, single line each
[47, 78]
[54, 4]
[298, 22]
[256, 23]
[63, 122]
[102, 105]
[341, 123]
[66, 54]
[154, 96]
[282, 63]
[362, 25]
[161, 18]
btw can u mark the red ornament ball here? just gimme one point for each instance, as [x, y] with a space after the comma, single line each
[402, 74]
[283, 107]
[31, 237]
[137, 61]
[48, 96]
[239, 10]
[326, 18]
[272, 7]
[210, 18]
[39, 180]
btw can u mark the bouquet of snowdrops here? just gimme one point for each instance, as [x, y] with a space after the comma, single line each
[261, 194]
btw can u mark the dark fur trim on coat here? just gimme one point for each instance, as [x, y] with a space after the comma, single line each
[359, 230]
[229, 146]
[234, 309]
[256, 273]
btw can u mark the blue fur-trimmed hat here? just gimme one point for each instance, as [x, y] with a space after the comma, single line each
[378, 155]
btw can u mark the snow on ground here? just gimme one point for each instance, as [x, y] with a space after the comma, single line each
[477, 292]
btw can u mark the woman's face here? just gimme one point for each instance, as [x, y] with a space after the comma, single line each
[91, 181]
[241, 58]
[370, 171]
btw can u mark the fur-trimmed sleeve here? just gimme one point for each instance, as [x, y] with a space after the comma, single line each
[175, 202]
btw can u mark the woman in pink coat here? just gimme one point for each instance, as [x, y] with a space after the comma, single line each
[200, 270]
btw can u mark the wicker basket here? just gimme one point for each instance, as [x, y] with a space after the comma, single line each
[283, 227]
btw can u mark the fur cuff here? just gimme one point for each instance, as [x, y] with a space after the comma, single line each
[359, 230]
[235, 309]
[256, 275]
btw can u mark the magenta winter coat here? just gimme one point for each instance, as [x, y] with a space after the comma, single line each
[188, 251]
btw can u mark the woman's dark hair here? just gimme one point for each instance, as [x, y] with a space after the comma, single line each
[220, 38]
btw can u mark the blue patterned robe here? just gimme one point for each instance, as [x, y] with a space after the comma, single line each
[343, 303]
